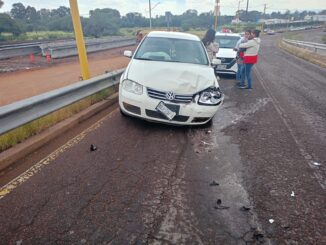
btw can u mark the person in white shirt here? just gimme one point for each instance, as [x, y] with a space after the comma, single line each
[240, 54]
[210, 44]
[250, 57]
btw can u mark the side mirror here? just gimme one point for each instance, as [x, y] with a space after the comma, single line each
[127, 53]
[216, 62]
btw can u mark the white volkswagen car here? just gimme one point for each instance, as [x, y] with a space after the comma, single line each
[226, 53]
[169, 80]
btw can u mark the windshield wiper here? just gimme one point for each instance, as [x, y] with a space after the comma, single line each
[143, 59]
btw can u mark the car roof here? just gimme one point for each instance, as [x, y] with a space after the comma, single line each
[227, 34]
[177, 35]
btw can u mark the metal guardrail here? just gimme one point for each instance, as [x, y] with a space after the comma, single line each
[21, 112]
[314, 46]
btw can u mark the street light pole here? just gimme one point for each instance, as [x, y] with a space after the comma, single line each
[247, 10]
[217, 13]
[82, 53]
[150, 14]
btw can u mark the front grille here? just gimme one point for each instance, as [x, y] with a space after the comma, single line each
[226, 60]
[155, 94]
[155, 114]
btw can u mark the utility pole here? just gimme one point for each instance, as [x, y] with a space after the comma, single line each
[238, 14]
[150, 14]
[217, 13]
[262, 25]
[247, 10]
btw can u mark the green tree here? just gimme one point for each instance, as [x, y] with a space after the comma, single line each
[61, 24]
[103, 22]
[60, 12]
[7, 24]
[31, 16]
[18, 11]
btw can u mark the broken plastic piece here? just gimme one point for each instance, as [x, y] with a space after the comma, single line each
[219, 205]
[258, 236]
[316, 163]
[271, 221]
[245, 209]
[214, 183]
[93, 147]
[292, 194]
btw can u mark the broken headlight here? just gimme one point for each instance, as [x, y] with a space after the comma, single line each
[211, 96]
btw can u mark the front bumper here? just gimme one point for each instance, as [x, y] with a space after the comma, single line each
[231, 68]
[143, 106]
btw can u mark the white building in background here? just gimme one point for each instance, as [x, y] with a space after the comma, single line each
[319, 17]
[236, 21]
[273, 21]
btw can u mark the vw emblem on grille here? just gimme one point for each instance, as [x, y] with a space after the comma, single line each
[223, 60]
[170, 95]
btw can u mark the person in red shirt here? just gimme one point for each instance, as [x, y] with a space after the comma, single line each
[250, 57]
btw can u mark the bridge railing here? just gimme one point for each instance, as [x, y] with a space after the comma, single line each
[309, 45]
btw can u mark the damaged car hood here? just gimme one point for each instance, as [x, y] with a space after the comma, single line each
[178, 77]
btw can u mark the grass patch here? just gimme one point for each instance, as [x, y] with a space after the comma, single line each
[293, 36]
[20, 134]
[304, 54]
[40, 35]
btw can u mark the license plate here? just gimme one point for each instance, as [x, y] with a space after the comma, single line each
[162, 108]
[221, 66]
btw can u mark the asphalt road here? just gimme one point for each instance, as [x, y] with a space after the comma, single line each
[150, 184]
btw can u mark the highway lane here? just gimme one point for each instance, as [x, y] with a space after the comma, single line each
[149, 183]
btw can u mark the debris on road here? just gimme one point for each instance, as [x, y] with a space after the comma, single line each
[214, 183]
[93, 147]
[271, 221]
[285, 226]
[258, 236]
[219, 205]
[316, 163]
[20, 242]
[208, 132]
[245, 209]
[205, 143]
[292, 194]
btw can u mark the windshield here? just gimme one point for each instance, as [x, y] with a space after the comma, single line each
[227, 41]
[172, 50]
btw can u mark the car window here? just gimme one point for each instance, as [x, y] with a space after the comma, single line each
[227, 41]
[172, 50]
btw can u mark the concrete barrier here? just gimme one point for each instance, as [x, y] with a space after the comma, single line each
[10, 52]
[66, 49]
[60, 49]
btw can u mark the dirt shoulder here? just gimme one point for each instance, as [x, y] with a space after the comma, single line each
[35, 78]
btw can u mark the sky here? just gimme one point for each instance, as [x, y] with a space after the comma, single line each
[228, 7]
